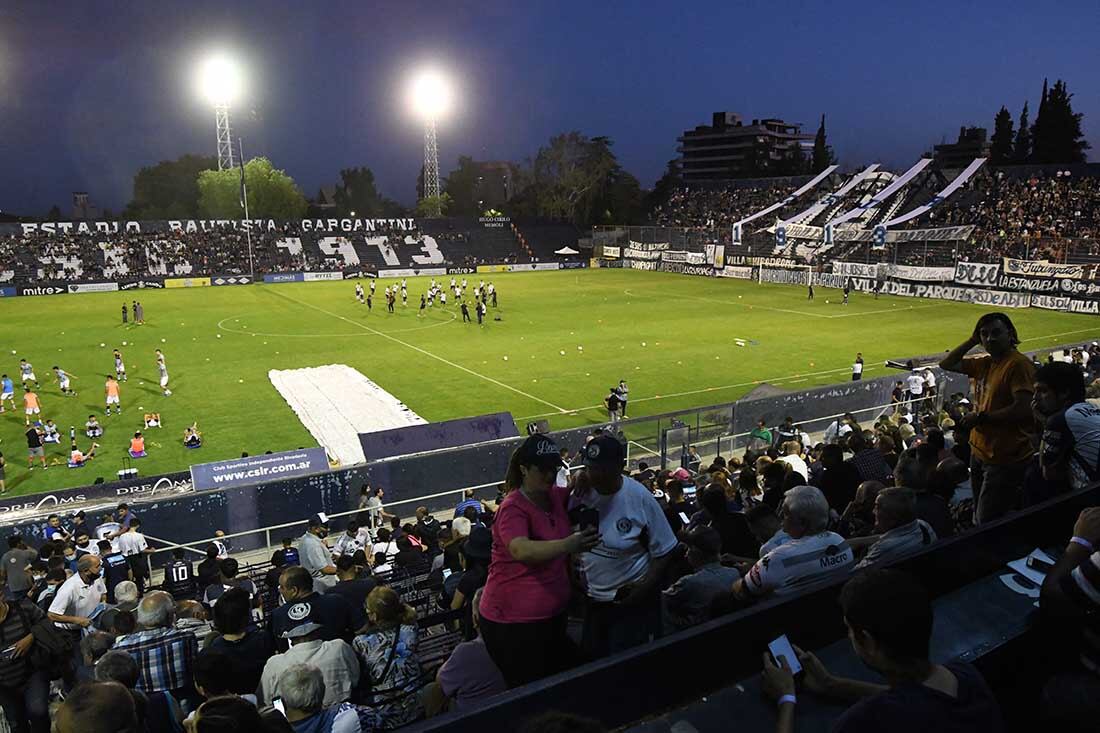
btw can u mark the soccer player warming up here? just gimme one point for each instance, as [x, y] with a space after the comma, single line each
[110, 390]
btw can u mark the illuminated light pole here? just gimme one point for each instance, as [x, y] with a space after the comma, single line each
[430, 98]
[220, 84]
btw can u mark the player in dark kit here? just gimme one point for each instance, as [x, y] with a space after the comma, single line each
[179, 577]
[847, 289]
[370, 305]
[423, 305]
[390, 300]
[465, 313]
[811, 293]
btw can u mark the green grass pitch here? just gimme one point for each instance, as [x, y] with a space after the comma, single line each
[563, 339]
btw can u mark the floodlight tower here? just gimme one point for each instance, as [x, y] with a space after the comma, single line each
[430, 96]
[220, 82]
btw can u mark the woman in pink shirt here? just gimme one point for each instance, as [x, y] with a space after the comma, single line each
[523, 606]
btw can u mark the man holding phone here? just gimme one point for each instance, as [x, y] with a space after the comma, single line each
[889, 619]
[623, 572]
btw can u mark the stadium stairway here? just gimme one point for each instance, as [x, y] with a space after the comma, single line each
[544, 238]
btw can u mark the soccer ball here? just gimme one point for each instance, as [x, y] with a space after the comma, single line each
[124, 343]
[826, 300]
[562, 352]
[100, 346]
[167, 393]
[643, 343]
[506, 358]
[219, 335]
[164, 341]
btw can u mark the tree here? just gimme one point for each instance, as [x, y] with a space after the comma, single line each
[462, 185]
[823, 154]
[622, 202]
[1021, 151]
[169, 189]
[433, 207]
[271, 193]
[669, 181]
[1037, 130]
[571, 174]
[359, 194]
[1058, 137]
[1000, 152]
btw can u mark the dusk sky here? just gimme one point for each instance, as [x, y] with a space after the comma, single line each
[90, 92]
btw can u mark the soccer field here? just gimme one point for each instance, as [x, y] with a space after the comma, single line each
[563, 339]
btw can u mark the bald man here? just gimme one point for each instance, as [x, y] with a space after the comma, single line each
[98, 707]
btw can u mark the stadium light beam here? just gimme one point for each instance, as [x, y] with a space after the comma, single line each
[430, 97]
[220, 83]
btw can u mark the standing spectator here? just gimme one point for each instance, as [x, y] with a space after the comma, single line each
[900, 532]
[387, 650]
[1070, 451]
[820, 554]
[624, 394]
[760, 438]
[427, 527]
[1000, 430]
[271, 577]
[889, 618]
[316, 558]
[857, 368]
[24, 690]
[468, 501]
[208, 570]
[17, 567]
[623, 573]
[840, 478]
[352, 588]
[134, 548]
[115, 568]
[179, 576]
[227, 575]
[868, 460]
[687, 601]
[245, 648]
[163, 653]
[523, 608]
[334, 658]
[54, 530]
[78, 597]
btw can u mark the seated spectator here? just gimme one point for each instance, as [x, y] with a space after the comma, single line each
[98, 707]
[227, 578]
[468, 677]
[1070, 450]
[840, 478]
[766, 528]
[192, 616]
[732, 526]
[792, 456]
[427, 528]
[353, 588]
[208, 571]
[476, 552]
[468, 501]
[385, 545]
[305, 698]
[330, 611]
[214, 677]
[243, 647]
[679, 510]
[126, 602]
[160, 711]
[334, 658]
[271, 577]
[869, 461]
[858, 518]
[914, 471]
[687, 602]
[152, 420]
[192, 438]
[900, 533]
[773, 476]
[137, 446]
[409, 556]
[92, 428]
[822, 554]
[387, 650]
[889, 618]
[92, 647]
[164, 654]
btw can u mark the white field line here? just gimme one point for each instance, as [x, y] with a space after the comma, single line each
[419, 350]
[787, 310]
[1064, 333]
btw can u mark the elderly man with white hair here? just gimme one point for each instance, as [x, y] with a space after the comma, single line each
[164, 654]
[303, 692]
[813, 553]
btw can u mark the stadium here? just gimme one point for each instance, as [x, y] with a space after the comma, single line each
[525, 457]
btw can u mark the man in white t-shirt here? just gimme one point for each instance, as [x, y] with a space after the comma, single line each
[622, 573]
[562, 478]
[914, 383]
[133, 547]
[857, 368]
[792, 457]
[813, 554]
[77, 598]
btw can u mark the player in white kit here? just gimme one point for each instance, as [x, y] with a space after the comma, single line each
[120, 368]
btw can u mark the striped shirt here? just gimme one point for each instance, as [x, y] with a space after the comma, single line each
[164, 657]
[792, 566]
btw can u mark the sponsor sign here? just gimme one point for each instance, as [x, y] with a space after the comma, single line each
[257, 469]
[741, 273]
[283, 277]
[43, 290]
[486, 268]
[8, 292]
[788, 277]
[533, 266]
[610, 251]
[93, 287]
[977, 273]
[609, 263]
[921, 274]
[764, 261]
[230, 280]
[641, 264]
[674, 256]
[573, 265]
[142, 284]
[113, 492]
[460, 271]
[186, 282]
[316, 276]
[633, 253]
[651, 246]
[1043, 268]
[855, 269]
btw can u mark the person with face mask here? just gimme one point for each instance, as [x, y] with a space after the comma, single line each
[315, 555]
[78, 597]
[84, 544]
[1001, 428]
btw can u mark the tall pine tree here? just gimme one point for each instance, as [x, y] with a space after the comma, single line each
[823, 154]
[1039, 143]
[1064, 141]
[1000, 152]
[1022, 150]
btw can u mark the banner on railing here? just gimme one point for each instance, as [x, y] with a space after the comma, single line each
[230, 280]
[573, 265]
[763, 261]
[480, 268]
[257, 469]
[786, 277]
[92, 287]
[1043, 268]
[682, 268]
[319, 276]
[1063, 303]
[650, 246]
[610, 252]
[920, 274]
[855, 269]
[633, 253]
[530, 267]
[740, 273]
[697, 258]
[642, 264]
[144, 283]
[186, 282]
[284, 277]
[674, 256]
[977, 273]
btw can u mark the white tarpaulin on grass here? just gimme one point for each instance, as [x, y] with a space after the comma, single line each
[335, 403]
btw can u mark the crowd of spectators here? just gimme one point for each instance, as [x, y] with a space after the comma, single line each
[716, 207]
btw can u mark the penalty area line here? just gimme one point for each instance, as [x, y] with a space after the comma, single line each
[425, 352]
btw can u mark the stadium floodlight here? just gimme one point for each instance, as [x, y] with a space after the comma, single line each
[220, 83]
[430, 97]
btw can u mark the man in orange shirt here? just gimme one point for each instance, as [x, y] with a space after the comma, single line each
[31, 405]
[1001, 429]
[110, 389]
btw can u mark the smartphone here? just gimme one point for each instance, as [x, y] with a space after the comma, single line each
[7, 654]
[446, 573]
[584, 517]
[1039, 564]
[781, 647]
[277, 703]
